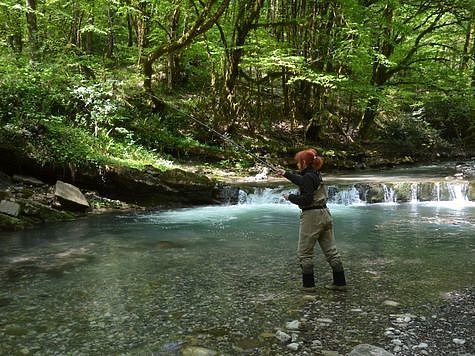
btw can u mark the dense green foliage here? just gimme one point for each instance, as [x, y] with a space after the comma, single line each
[115, 82]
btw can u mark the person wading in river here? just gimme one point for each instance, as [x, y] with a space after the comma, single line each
[316, 223]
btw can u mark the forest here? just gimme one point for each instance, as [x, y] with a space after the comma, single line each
[131, 82]
[155, 118]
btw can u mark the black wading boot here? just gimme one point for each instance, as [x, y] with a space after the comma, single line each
[308, 283]
[339, 282]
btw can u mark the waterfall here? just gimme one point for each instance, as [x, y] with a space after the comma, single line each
[389, 194]
[357, 194]
[437, 191]
[458, 192]
[262, 196]
[414, 193]
[346, 197]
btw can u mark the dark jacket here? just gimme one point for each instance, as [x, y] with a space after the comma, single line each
[308, 182]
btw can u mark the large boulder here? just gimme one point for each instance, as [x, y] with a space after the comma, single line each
[152, 187]
[70, 197]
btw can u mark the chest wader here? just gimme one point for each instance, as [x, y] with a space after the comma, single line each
[316, 224]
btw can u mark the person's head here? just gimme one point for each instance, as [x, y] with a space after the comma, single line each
[308, 158]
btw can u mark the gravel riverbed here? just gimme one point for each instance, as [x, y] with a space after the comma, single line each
[333, 325]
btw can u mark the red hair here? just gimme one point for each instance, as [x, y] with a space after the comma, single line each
[309, 158]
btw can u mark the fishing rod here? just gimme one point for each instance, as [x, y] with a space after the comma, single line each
[227, 139]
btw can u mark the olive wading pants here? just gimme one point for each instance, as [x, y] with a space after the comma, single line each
[317, 225]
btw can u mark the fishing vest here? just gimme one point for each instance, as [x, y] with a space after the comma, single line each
[320, 195]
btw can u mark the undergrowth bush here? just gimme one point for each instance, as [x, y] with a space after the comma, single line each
[411, 134]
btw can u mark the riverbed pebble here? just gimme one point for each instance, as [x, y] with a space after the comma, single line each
[283, 337]
[293, 325]
[391, 303]
[294, 346]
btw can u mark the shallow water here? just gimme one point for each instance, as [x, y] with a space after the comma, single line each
[213, 276]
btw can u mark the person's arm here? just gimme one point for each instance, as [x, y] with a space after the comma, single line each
[294, 178]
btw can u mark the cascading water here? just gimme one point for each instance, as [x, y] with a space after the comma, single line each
[418, 192]
[458, 192]
[437, 191]
[414, 193]
[349, 196]
[389, 194]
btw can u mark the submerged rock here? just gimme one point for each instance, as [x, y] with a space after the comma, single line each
[197, 351]
[293, 325]
[391, 303]
[293, 346]
[283, 337]
[369, 350]
[168, 245]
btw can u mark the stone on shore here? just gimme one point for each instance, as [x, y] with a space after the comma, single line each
[11, 223]
[27, 180]
[70, 196]
[9, 208]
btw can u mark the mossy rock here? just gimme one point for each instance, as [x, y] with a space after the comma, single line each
[179, 177]
[44, 213]
[151, 187]
[375, 194]
[4, 195]
[426, 191]
[403, 192]
[10, 223]
[471, 191]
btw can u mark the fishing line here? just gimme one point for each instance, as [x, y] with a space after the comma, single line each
[227, 139]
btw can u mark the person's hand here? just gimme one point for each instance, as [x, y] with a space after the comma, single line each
[280, 172]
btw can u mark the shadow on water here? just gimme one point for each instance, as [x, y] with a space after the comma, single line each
[222, 277]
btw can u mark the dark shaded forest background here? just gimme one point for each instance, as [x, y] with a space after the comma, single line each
[119, 82]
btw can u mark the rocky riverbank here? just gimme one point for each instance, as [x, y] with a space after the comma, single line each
[27, 200]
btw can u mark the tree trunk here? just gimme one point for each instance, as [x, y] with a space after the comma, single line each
[247, 14]
[202, 24]
[368, 118]
[380, 73]
[110, 34]
[142, 33]
[87, 37]
[172, 58]
[32, 29]
[130, 31]
[466, 47]
[473, 70]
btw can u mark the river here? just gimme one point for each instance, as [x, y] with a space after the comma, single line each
[223, 277]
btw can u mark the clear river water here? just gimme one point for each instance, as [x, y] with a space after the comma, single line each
[222, 277]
